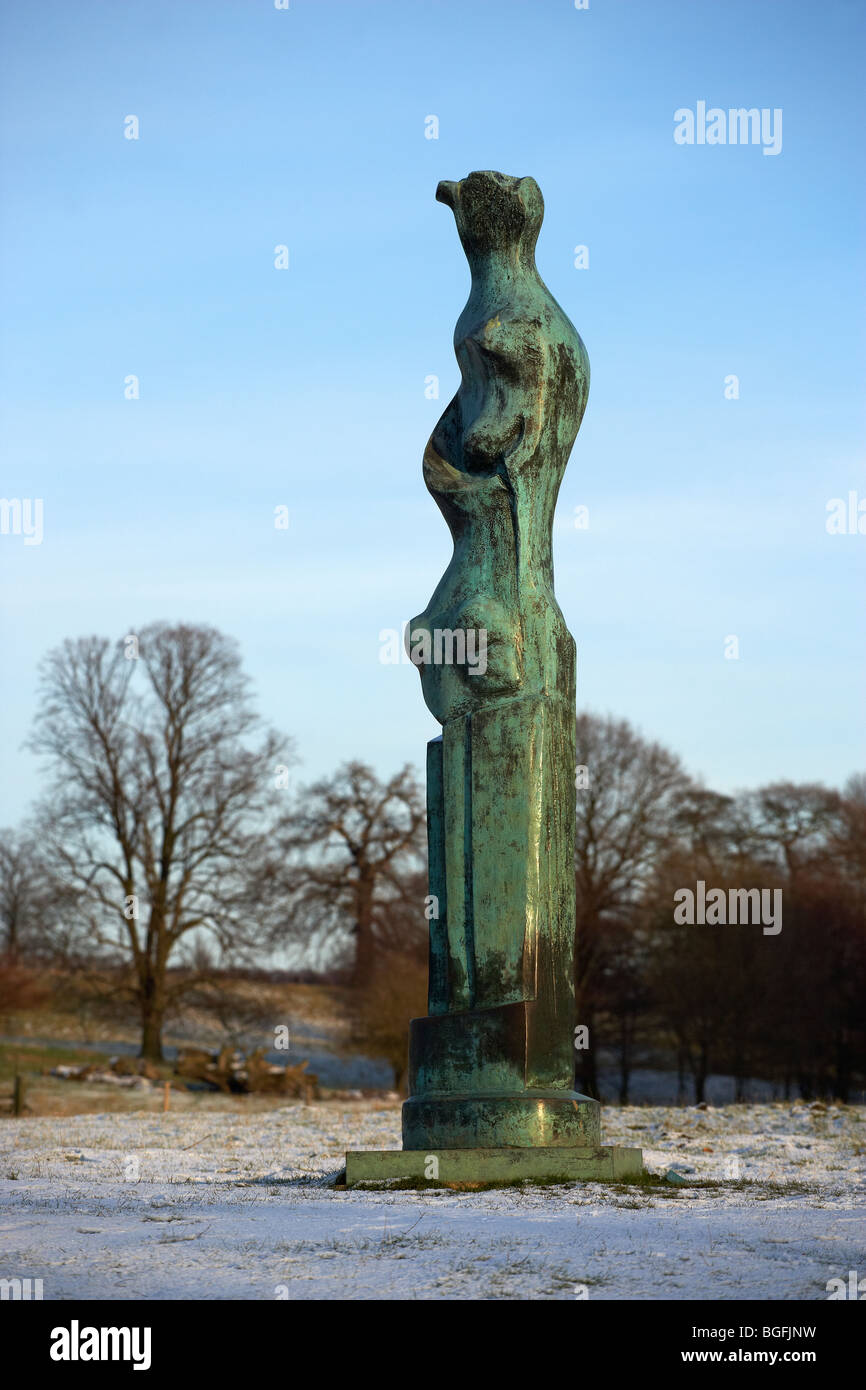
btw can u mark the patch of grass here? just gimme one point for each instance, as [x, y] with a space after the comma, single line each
[648, 1184]
[754, 1186]
[28, 1058]
[646, 1180]
[48, 1095]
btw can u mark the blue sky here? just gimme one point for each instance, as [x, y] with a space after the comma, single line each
[305, 387]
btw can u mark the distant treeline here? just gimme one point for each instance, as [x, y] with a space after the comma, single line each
[173, 856]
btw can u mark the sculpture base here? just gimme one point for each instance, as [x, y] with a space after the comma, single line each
[479, 1167]
[531, 1119]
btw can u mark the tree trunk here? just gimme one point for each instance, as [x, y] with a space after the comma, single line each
[739, 1081]
[589, 1077]
[681, 1075]
[364, 943]
[699, 1071]
[152, 1018]
[842, 1086]
[624, 1060]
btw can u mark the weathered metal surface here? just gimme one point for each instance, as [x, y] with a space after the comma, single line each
[472, 1167]
[493, 1064]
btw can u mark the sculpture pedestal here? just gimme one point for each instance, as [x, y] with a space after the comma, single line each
[489, 1104]
[479, 1167]
[497, 1078]
[528, 1120]
[479, 1111]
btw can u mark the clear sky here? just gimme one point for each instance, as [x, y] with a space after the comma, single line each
[305, 387]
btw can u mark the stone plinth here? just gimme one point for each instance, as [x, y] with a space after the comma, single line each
[478, 1167]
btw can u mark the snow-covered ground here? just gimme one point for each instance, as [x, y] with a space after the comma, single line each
[227, 1205]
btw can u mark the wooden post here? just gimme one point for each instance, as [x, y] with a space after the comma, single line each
[166, 1096]
[19, 1090]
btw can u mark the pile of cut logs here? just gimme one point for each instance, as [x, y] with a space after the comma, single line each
[226, 1070]
[229, 1070]
[133, 1072]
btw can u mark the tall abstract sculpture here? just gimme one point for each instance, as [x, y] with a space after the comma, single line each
[491, 1067]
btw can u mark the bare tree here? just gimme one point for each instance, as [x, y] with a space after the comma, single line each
[788, 1006]
[24, 898]
[163, 785]
[350, 843]
[793, 824]
[849, 836]
[627, 809]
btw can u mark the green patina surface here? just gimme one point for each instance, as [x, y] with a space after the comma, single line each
[444, 1167]
[491, 1067]
[493, 1062]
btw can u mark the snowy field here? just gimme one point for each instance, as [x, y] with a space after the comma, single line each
[228, 1205]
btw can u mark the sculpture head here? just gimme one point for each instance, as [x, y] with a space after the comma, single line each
[495, 213]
